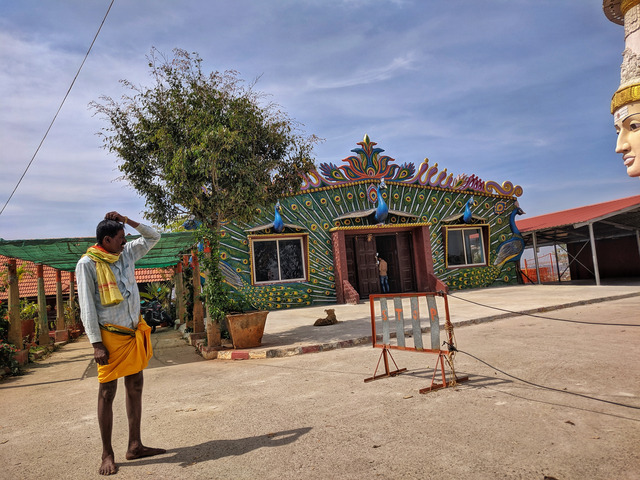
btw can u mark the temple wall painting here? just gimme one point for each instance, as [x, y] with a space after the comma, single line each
[287, 257]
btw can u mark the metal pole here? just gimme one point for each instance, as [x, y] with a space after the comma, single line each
[535, 257]
[555, 250]
[594, 256]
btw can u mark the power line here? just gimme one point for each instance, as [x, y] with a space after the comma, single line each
[523, 314]
[544, 387]
[59, 108]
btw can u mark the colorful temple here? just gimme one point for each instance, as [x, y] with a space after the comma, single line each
[435, 230]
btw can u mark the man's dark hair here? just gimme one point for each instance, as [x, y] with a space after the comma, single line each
[107, 228]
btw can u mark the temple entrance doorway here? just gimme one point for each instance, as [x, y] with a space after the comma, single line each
[395, 248]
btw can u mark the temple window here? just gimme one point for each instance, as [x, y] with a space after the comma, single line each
[465, 246]
[276, 259]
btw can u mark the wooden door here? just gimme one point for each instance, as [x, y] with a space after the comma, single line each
[366, 267]
[406, 274]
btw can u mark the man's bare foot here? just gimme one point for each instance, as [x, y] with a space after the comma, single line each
[108, 466]
[143, 451]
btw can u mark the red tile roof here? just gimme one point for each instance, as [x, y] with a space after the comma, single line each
[578, 215]
[144, 275]
[28, 284]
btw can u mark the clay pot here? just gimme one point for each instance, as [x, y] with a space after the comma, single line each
[246, 329]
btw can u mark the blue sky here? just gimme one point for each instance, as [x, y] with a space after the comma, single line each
[514, 90]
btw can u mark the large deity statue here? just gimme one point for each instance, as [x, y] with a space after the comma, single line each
[625, 104]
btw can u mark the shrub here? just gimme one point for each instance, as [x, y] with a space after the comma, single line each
[7, 360]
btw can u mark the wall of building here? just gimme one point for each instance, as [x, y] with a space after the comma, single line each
[422, 195]
[617, 258]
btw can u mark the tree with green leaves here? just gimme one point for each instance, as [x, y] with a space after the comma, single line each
[206, 145]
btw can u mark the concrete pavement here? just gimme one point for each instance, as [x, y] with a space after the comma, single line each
[545, 399]
[291, 332]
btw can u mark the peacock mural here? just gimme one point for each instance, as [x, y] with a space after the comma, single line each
[369, 188]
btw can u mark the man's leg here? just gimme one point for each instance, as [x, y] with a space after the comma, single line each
[106, 394]
[136, 449]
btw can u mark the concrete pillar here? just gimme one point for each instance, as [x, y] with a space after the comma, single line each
[62, 334]
[178, 280]
[198, 311]
[72, 298]
[339, 264]
[187, 264]
[43, 322]
[15, 326]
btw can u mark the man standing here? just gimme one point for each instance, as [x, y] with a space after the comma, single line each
[110, 312]
[384, 279]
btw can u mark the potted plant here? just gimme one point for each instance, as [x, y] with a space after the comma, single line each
[232, 311]
[228, 310]
[71, 317]
[29, 320]
[204, 146]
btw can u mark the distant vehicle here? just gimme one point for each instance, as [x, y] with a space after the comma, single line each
[154, 314]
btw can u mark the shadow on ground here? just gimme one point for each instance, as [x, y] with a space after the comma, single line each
[216, 449]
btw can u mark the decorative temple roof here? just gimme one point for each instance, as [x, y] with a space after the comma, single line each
[369, 165]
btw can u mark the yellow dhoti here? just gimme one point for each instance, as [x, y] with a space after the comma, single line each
[129, 350]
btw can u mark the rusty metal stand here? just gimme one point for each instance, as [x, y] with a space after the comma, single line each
[444, 384]
[386, 354]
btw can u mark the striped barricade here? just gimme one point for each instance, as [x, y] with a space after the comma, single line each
[397, 324]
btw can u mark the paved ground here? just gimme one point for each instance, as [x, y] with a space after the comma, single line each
[576, 415]
[291, 332]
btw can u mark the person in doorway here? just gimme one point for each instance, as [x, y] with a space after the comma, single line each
[110, 312]
[382, 269]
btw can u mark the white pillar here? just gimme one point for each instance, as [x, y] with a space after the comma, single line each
[594, 256]
[535, 258]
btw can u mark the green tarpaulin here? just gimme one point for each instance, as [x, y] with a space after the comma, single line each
[64, 253]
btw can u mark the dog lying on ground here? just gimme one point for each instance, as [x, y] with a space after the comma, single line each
[329, 320]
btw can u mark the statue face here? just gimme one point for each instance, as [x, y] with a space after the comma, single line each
[627, 123]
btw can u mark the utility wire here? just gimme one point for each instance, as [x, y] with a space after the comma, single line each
[546, 318]
[548, 388]
[59, 108]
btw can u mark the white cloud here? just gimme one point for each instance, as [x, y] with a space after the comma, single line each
[367, 75]
[514, 90]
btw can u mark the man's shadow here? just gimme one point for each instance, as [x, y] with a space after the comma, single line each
[216, 449]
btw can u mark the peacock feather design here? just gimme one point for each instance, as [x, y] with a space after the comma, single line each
[467, 216]
[382, 210]
[278, 223]
[367, 164]
[511, 249]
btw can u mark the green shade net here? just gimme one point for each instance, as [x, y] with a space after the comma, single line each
[64, 253]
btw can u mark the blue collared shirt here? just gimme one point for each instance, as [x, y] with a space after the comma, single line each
[126, 313]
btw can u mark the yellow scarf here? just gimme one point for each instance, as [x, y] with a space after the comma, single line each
[107, 285]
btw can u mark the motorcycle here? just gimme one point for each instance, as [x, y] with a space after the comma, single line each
[154, 314]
